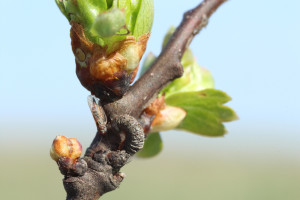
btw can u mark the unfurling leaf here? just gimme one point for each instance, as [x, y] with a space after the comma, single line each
[109, 23]
[205, 111]
[193, 93]
[194, 78]
[152, 146]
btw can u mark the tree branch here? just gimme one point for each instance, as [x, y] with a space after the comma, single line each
[109, 152]
[167, 66]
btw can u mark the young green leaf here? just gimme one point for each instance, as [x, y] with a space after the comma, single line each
[152, 146]
[205, 111]
[109, 23]
[195, 78]
[144, 18]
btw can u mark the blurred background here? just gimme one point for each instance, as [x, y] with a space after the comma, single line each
[252, 49]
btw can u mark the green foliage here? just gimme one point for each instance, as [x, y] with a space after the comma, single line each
[205, 111]
[194, 93]
[195, 78]
[153, 146]
[143, 18]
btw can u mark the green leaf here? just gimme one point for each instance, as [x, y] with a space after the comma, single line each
[195, 78]
[126, 5]
[205, 111]
[152, 147]
[89, 10]
[144, 18]
[188, 58]
[137, 24]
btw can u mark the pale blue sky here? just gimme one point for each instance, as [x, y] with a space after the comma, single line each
[251, 47]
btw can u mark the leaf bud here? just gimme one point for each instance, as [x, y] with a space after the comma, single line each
[108, 41]
[65, 147]
[168, 118]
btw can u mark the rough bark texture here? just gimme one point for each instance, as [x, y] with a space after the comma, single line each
[98, 172]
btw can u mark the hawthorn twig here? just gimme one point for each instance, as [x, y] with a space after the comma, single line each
[104, 157]
[167, 66]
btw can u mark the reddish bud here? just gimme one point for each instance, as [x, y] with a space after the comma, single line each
[65, 147]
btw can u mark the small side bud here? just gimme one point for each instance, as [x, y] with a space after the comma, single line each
[65, 147]
[168, 118]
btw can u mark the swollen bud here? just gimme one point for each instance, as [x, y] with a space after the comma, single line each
[168, 118]
[65, 147]
[108, 41]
